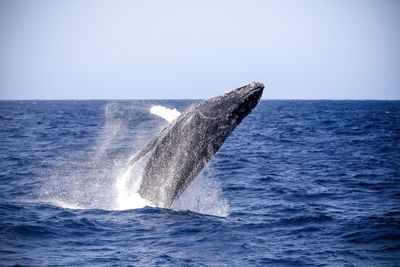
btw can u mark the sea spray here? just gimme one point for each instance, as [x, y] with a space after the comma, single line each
[127, 185]
[204, 195]
[86, 180]
[127, 191]
[103, 179]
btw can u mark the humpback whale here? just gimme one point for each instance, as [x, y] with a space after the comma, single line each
[181, 150]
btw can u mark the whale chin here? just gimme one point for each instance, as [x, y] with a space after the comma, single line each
[181, 150]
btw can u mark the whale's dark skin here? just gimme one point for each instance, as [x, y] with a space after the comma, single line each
[181, 150]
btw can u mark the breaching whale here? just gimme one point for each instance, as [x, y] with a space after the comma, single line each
[181, 150]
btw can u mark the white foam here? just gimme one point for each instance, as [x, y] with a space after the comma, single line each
[165, 113]
[127, 192]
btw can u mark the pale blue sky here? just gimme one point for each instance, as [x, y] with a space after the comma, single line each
[311, 49]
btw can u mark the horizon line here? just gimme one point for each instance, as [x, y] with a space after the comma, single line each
[196, 99]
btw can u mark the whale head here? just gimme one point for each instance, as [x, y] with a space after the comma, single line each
[234, 105]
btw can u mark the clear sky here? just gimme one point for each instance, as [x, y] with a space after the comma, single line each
[311, 49]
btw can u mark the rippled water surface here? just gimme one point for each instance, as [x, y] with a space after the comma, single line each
[298, 183]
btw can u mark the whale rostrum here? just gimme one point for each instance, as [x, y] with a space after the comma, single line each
[181, 150]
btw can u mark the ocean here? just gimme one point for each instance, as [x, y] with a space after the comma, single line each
[298, 183]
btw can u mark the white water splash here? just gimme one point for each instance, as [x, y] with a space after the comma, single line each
[127, 192]
[165, 113]
[204, 195]
[103, 180]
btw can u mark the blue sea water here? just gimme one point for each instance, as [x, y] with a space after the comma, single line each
[298, 183]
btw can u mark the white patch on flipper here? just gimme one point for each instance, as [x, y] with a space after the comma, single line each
[165, 113]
